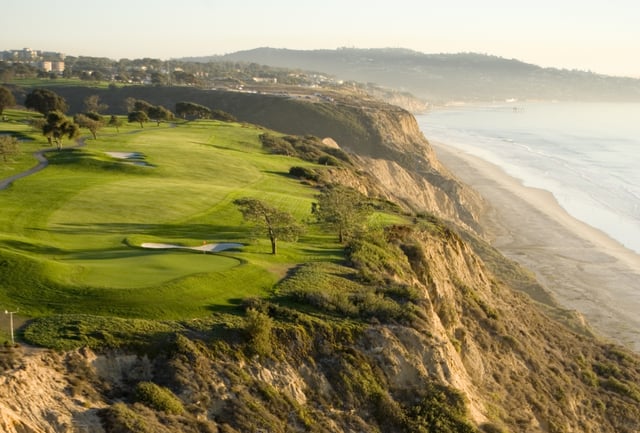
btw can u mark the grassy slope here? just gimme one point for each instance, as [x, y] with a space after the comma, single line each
[69, 233]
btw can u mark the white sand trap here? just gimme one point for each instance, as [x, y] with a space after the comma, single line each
[212, 248]
[135, 158]
[124, 155]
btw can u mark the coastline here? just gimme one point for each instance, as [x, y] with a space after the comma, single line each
[581, 266]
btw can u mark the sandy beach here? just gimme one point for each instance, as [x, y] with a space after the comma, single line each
[586, 270]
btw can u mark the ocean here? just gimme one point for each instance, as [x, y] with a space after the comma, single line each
[586, 154]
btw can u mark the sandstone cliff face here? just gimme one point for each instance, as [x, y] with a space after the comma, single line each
[37, 395]
[390, 147]
[515, 369]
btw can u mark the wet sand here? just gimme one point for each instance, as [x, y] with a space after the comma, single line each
[586, 270]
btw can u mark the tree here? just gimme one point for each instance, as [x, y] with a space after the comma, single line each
[138, 116]
[58, 126]
[97, 76]
[44, 101]
[116, 122]
[92, 104]
[223, 116]
[130, 103]
[6, 99]
[158, 78]
[342, 209]
[8, 147]
[90, 122]
[191, 109]
[278, 224]
[159, 114]
[141, 105]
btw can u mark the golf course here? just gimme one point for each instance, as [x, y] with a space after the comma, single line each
[72, 234]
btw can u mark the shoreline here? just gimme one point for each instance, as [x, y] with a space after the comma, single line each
[581, 266]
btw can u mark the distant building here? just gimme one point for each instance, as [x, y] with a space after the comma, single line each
[57, 66]
[27, 55]
[265, 80]
[47, 61]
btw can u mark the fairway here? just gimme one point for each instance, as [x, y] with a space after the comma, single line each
[71, 235]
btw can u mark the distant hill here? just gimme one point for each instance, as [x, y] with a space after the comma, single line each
[447, 77]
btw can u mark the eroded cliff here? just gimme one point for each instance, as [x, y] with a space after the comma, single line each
[414, 332]
[471, 354]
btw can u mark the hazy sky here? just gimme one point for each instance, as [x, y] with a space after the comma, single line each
[602, 36]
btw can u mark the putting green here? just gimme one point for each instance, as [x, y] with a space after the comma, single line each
[127, 268]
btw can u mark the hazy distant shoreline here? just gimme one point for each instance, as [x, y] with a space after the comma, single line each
[584, 268]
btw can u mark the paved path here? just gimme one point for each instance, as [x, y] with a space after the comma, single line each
[42, 163]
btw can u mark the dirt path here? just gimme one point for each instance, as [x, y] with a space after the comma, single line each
[42, 163]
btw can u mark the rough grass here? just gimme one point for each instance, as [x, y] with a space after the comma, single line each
[71, 331]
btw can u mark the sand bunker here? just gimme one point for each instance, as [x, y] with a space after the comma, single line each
[124, 155]
[135, 158]
[210, 248]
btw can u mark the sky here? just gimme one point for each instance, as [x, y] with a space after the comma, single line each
[598, 36]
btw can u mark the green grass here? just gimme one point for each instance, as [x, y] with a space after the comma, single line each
[77, 330]
[70, 236]
[57, 82]
[30, 141]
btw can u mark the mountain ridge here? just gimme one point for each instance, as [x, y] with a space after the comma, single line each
[441, 78]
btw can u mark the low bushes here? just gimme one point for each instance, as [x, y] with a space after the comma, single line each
[304, 173]
[158, 397]
[335, 289]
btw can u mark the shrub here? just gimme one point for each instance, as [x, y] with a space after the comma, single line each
[440, 409]
[10, 357]
[121, 418]
[328, 160]
[258, 327]
[337, 153]
[606, 369]
[223, 116]
[277, 145]
[8, 148]
[376, 259]
[623, 388]
[374, 305]
[158, 397]
[491, 428]
[335, 289]
[304, 173]
[308, 148]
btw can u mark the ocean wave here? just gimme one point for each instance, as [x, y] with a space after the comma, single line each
[586, 155]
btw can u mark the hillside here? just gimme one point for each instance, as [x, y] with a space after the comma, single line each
[440, 78]
[385, 137]
[414, 324]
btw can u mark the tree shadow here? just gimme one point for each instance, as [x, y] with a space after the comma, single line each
[234, 307]
[166, 231]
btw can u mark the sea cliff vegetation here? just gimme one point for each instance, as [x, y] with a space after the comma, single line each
[389, 313]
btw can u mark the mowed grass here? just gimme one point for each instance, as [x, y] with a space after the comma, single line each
[30, 141]
[70, 235]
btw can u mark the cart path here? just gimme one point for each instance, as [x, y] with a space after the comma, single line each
[42, 163]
